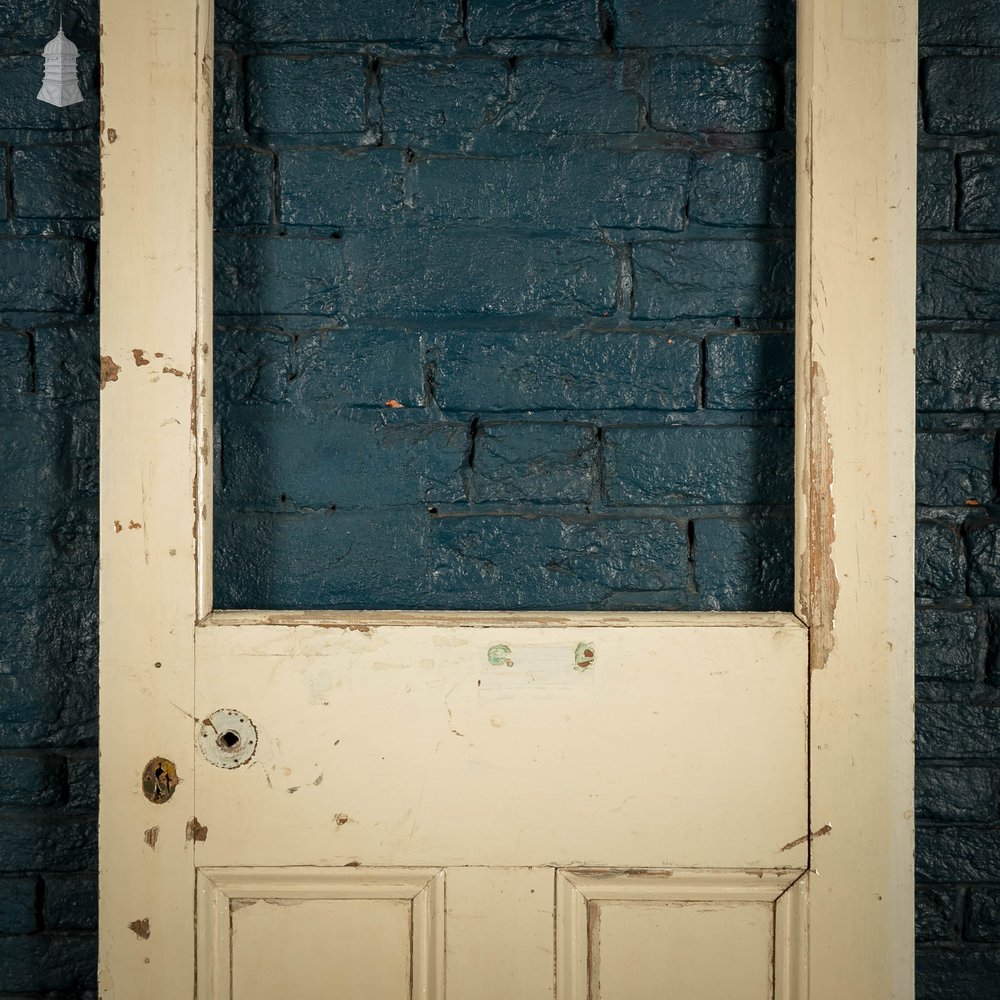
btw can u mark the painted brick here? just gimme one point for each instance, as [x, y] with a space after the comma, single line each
[29, 779]
[24, 23]
[423, 100]
[984, 556]
[950, 645]
[700, 465]
[937, 915]
[333, 188]
[940, 562]
[750, 371]
[979, 194]
[690, 93]
[31, 460]
[56, 182]
[525, 370]
[18, 905]
[483, 562]
[418, 275]
[935, 188]
[573, 96]
[743, 189]
[243, 183]
[358, 367]
[322, 560]
[81, 464]
[960, 95]
[956, 794]
[744, 565]
[252, 365]
[15, 366]
[361, 460]
[708, 278]
[534, 463]
[954, 468]
[947, 730]
[958, 372]
[228, 95]
[982, 921]
[20, 78]
[946, 974]
[306, 95]
[555, 20]
[958, 22]
[308, 21]
[42, 275]
[355, 367]
[48, 841]
[274, 276]
[696, 23]
[66, 360]
[644, 189]
[25, 559]
[71, 902]
[47, 962]
[957, 281]
[958, 854]
[83, 779]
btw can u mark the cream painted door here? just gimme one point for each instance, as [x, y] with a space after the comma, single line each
[511, 806]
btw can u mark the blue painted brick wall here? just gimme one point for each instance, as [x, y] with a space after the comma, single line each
[504, 295]
[543, 381]
[48, 522]
[958, 585]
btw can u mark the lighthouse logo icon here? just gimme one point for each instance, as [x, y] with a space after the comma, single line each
[59, 85]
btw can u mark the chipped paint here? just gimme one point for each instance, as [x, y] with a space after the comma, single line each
[824, 587]
[109, 371]
[194, 831]
[112, 135]
[140, 357]
[159, 780]
[584, 655]
[140, 928]
[150, 837]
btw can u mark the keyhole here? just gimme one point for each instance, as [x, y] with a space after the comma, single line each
[228, 740]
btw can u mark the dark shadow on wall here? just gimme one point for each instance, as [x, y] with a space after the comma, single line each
[504, 305]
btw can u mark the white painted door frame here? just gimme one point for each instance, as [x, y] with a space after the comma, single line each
[855, 239]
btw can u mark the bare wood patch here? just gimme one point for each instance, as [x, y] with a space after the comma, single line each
[109, 371]
[140, 928]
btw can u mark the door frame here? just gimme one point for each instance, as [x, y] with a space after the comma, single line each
[855, 337]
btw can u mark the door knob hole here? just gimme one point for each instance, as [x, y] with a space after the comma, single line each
[228, 740]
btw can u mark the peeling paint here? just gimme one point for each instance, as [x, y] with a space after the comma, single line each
[109, 371]
[140, 928]
[167, 370]
[140, 357]
[824, 588]
[194, 831]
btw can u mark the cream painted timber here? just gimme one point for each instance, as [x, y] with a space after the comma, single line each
[156, 221]
[856, 254]
[854, 538]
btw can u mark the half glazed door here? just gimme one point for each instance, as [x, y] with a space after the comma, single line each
[486, 806]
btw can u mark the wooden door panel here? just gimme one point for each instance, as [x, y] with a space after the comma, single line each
[511, 933]
[409, 745]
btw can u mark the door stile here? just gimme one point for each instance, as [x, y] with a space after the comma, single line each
[156, 222]
[855, 337]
